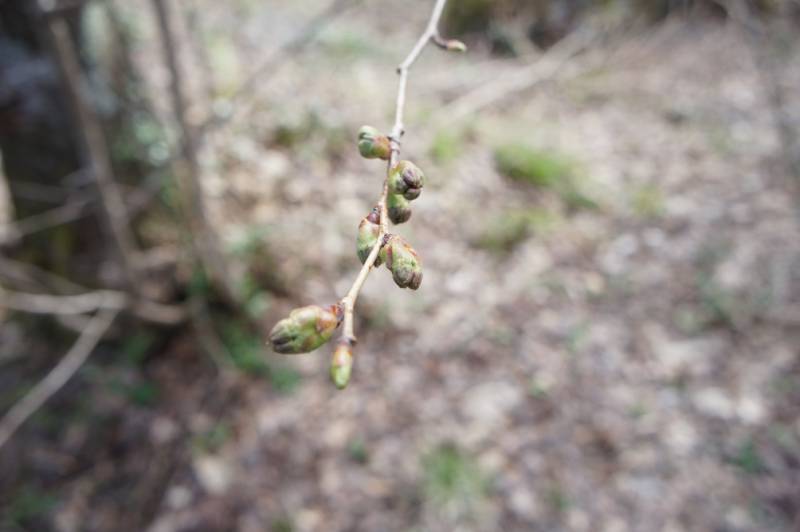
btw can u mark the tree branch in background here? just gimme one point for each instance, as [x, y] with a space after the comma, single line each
[276, 58]
[96, 150]
[204, 238]
[546, 67]
[59, 375]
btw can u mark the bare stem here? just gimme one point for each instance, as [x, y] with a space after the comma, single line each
[431, 34]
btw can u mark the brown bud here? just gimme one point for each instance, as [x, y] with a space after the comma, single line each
[305, 329]
[407, 179]
[398, 208]
[403, 261]
[368, 231]
[373, 145]
[342, 364]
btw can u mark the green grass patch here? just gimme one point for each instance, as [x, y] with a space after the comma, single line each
[647, 201]
[544, 170]
[503, 232]
[452, 476]
[446, 146]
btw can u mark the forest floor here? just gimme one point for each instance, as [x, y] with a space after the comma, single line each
[609, 341]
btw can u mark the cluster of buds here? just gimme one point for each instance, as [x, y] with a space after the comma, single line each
[305, 329]
[405, 185]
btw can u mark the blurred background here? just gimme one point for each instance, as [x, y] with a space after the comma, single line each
[608, 332]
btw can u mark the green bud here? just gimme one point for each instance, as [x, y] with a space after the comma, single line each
[342, 365]
[398, 207]
[305, 329]
[403, 261]
[407, 179]
[454, 45]
[368, 231]
[373, 145]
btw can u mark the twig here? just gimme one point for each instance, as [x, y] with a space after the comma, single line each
[58, 376]
[431, 34]
[74, 304]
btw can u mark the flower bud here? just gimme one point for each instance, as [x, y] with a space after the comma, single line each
[407, 179]
[342, 365]
[398, 208]
[454, 45]
[403, 261]
[305, 329]
[373, 145]
[368, 231]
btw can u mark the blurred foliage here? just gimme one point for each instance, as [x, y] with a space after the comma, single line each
[212, 440]
[357, 450]
[747, 459]
[28, 503]
[248, 355]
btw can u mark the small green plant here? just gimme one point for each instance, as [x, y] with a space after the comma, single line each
[526, 164]
[544, 170]
[309, 327]
[747, 459]
[452, 476]
[647, 201]
[445, 147]
[212, 440]
[27, 504]
[358, 451]
[245, 349]
[503, 232]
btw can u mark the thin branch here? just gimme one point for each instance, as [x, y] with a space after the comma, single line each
[58, 376]
[431, 34]
[39, 222]
[547, 67]
[73, 304]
